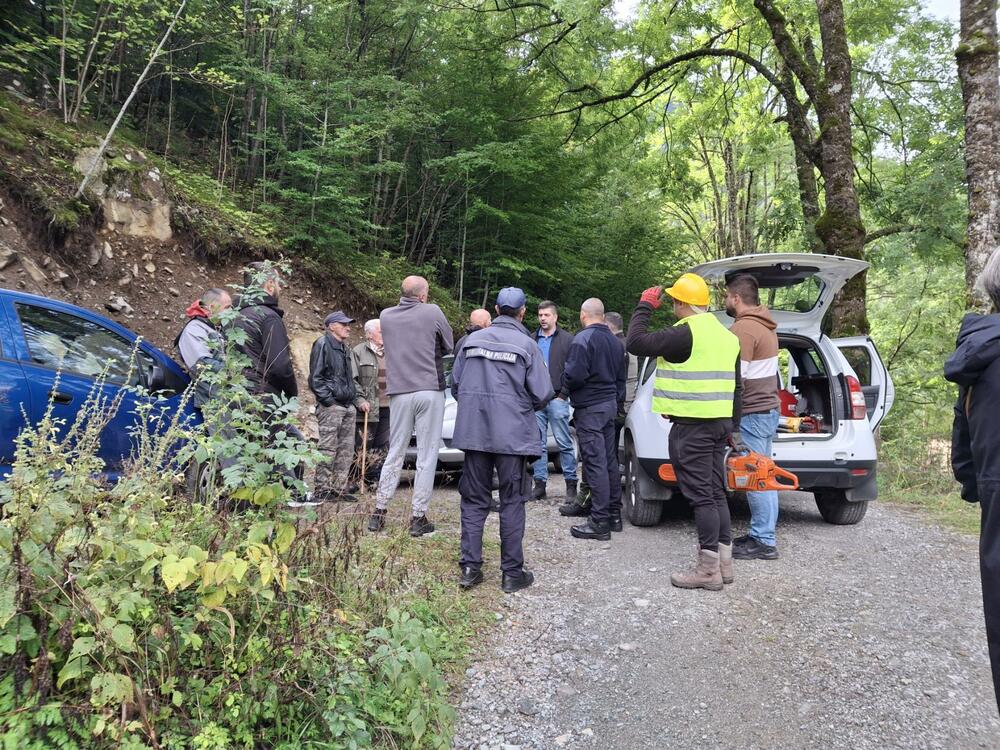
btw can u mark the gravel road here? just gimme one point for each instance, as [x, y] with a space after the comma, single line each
[868, 636]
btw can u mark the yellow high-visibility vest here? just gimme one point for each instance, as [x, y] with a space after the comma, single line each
[703, 386]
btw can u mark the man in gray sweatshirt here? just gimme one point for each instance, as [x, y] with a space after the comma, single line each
[416, 336]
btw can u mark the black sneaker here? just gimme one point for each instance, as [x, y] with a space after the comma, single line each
[420, 526]
[470, 577]
[753, 550]
[511, 583]
[377, 521]
[590, 530]
[741, 540]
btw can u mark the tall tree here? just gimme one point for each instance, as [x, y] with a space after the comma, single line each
[979, 74]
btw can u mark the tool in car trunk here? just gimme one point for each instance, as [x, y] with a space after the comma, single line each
[747, 471]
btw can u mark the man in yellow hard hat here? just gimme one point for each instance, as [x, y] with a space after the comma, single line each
[698, 388]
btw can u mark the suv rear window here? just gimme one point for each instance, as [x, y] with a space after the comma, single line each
[783, 286]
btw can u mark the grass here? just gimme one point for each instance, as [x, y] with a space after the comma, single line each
[916, 473]
[943, 507]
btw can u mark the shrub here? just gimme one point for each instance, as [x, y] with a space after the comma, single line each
[131, 617]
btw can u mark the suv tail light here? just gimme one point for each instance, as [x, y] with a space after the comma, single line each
[859, 410]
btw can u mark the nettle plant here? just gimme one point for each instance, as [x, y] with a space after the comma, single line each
[132, 616]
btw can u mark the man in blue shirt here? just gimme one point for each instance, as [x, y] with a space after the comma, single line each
[554, 343]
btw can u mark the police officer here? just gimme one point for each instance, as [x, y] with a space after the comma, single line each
[499, 380]
[698, 387]
[595, 379]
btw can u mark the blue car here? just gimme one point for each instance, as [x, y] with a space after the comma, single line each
[54, 351]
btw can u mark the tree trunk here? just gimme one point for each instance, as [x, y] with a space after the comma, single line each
[978, 73]
[840, 227]
[121, 113]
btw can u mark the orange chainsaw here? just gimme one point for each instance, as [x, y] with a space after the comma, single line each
[746, 471]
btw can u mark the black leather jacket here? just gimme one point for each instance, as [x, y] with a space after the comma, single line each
[330, 375]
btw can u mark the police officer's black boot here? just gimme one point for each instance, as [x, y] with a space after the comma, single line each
[592, 530]
[616, 519]
[470, 577]
[538, 491]
[511, 583]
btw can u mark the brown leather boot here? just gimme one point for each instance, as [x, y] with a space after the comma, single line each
[726, 562]
[705, 575]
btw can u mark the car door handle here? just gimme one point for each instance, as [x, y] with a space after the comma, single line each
[58, 397]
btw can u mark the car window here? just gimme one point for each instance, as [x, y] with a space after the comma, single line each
[448, 364]
[786, 292]
[648, 368]
[66, 342]
[860, 360]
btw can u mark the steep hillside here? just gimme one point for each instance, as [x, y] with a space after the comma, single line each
[150, 235]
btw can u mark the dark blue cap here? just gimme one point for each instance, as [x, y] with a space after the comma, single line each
[512, 297]
[337, 317]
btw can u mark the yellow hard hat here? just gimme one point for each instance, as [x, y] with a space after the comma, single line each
[691, 289]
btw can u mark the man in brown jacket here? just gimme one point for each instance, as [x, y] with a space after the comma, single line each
[755, 327]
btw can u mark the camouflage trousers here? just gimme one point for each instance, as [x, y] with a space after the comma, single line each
[336, 443]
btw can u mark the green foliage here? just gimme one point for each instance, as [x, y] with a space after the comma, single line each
[133, 617]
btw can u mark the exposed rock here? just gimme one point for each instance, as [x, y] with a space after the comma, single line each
[125, 280]
[95, 255]
[150, 268]
[37, 274]
[118, 304]
[135, 270]
[135, 203]
[174, 291]
[563, 739]
[7, 256]
[107, 251]
[64, 278]
[46, 261]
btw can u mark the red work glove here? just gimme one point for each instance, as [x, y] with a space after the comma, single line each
[653, 296]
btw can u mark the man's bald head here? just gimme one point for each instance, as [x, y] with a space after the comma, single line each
[480, 317]
[592, 311]
[415, 287]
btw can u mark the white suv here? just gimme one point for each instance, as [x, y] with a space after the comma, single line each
[840, 386]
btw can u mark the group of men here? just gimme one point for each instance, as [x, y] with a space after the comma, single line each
[512, 386]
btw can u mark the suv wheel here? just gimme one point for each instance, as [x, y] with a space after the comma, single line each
[837, 509]
[640, 512]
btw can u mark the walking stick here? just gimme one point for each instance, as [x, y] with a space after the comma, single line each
[364, 453]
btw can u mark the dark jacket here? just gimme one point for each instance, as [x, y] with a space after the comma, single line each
[975, 441]
[558, 352]
[500, 381]
[331, 377]
[674, 345]
[266, 346]
[468, 329]
[595, 367]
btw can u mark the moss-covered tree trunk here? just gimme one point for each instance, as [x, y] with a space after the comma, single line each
[839, 228]
[979, 75]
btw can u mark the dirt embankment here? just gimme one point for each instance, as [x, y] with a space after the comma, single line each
[146, 282]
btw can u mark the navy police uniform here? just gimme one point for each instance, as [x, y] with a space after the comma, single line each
[499, 380]
[595, 379]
